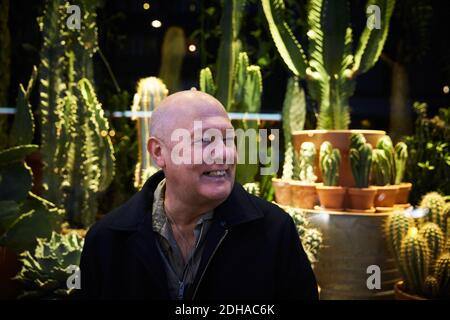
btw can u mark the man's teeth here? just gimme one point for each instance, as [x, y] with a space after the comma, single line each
[216, 173]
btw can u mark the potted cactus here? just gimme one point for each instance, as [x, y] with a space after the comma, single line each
[421, 251]
[361, 197]
[304, 190]
[383, 174]
[401, 156]
[331, 195]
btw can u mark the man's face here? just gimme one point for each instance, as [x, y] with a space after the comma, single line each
[210, 173]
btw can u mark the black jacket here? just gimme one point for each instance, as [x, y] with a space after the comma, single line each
[252, 251]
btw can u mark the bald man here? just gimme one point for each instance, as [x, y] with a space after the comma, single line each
[192, 232]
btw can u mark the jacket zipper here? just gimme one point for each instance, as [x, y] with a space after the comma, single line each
[207, 264]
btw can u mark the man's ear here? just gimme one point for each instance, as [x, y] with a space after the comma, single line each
[155, 149]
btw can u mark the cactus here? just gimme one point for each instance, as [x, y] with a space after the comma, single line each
[431, 287]
[360, 159]
[381, 168]
[401, 156]
[442, 274]
[385, 143]
[329, 160]
[307, 159]
[172, 55]
[331, 67]
[149, 93]
[436, 204]
[207, 82]
[435, 241]
[252, 188]
[294, 114]
[415, 259]
[45, 271]
[397, 226]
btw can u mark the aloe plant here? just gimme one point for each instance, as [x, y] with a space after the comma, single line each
[330, 67]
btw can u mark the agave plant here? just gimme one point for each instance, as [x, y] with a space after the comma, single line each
[45, 272]
[330, 66]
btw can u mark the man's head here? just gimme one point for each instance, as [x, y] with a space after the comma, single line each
[197, 182]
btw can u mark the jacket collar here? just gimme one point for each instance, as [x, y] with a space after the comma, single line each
[238, 208]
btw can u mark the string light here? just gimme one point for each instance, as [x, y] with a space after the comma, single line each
[146, 6]
[446, 89]
[156, 24]
[192, 48]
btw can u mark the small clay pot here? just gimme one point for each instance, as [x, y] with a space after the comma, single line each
[283, 194]
[386, 196]
[303, 195]
[331, 197]
[361, 198]
[403, 193]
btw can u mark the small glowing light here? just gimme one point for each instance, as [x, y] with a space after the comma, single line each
[63, 42]
[192, 48]
[112, 133]
[271, 137]
[446, 89]
[156, 24]
[146, 6]
[104, 133]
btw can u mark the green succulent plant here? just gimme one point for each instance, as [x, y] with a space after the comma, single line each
[45, 271]
[329, 160]
[401, 156]
[307, 159]
[360, 159]
[252, 188]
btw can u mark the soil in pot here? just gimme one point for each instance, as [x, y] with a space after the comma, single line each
[331, 197]
[386, 196]
[303, 195]
[403, 193]
[283, 194]
[361, 198]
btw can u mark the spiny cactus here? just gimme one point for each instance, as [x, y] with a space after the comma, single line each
[45, 272]
[149, 93]
[252, 188]
[385, 144]
[397, 226]
[401, 156]
[442, 274]
[331, 66]
[288, 165]
[436, 205]
[381, 168]
[431, 287]
[207, 82]
[360, 159]
[329, 160]
[435, 240]
[307, 160]
[415, 258]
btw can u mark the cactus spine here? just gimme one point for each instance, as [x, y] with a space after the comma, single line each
[401, 155]
[360, 160]
[329, 160]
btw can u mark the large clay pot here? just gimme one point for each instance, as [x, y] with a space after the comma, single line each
[303, 195]
[403, 193]
[282, 190]
[332, 198]
[339, 139]
[361, 198]
[386, 196]
[402, 295]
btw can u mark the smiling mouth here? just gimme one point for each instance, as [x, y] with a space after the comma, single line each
[215, 173]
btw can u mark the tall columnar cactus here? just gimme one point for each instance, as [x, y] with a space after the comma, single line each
[307, 159]
[331, 67]
[360, 159]
[207, 82]
[435, 240]
[381, 168]
[415, 258]
[442, 274]
[149, 93]
[401, 156]
[294, 114]
[436, 205]
[397, 226]
[172, 55]
[329, 160]
[385, 144]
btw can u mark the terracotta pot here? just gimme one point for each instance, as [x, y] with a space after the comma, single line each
[303, 195]
[339, 139]
[283, 194]
[331, 197]
[403, 193]
[361, 198]
[386, 196]
[402, 295]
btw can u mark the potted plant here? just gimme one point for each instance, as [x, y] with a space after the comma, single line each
[420, 251]
[361, 197]
[331, 195]
[401, 156]
[304, 191]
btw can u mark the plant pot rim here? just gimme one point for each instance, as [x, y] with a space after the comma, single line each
[398, 288]
[321, 131]
[333, 188]
[303, 184]
[405, 185]
[388, 187]
[360, 190]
